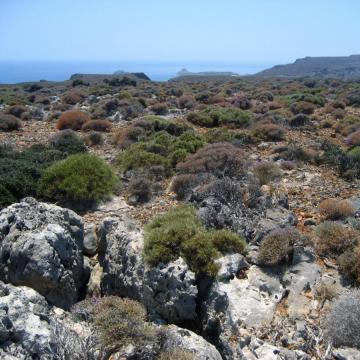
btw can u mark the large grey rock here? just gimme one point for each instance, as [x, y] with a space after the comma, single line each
[177, 338]
[346, 354]
[24, 323]
[30, 328]
[168, 291]
[301, 279]
[41, 247]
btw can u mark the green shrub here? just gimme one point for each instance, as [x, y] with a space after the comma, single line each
[228, 242]
[138, 158]
[179, 232]
[79, 178]
[165, 234]
[121, 322]
[214, 116]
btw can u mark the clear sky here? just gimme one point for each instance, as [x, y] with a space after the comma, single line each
[176, 30]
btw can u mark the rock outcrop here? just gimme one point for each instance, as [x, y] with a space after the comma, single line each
[168, 291]
[41, 247]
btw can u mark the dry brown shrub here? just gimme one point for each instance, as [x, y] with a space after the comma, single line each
[97, 125]
[334, 209]
[73, 120]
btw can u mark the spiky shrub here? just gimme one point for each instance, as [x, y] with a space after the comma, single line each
[159, 109]
[334, 209]
[269, 132]
[186, 102]
[16, 110]
[178, 354]
[80, 178]
[73, 120]
[140, 188]
[303, 107]
[276, 247]
[121, 322]
[94, 138]
[97, 125]
[219, 159]
[227, 242]
[67, 141]
[331, 239]
[266, 172]
[9, 122]
[73, 97]
[299, 120]
[183, 183]
[349, 263]
[342, 324]
[354, 139]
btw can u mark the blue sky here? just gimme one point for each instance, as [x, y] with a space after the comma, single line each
[168, 30]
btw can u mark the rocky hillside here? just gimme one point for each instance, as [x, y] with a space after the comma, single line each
[320, 67]
[214, 219]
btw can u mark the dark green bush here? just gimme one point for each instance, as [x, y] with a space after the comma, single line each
[80, 178]
[20, 171]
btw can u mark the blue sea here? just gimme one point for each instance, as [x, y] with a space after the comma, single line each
[22, 71]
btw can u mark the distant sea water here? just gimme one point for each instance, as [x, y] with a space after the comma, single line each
[26, 71]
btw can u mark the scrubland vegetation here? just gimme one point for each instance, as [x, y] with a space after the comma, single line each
[200, 164]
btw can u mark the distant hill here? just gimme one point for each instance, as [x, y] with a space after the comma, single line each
[344, 67]
[99, 77]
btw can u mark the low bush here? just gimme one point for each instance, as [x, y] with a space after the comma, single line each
[341, 326]
[81, 178]
[179, 232]
[186, 102]
[20, 171]
[269, 132]
[299, 120]
[9, 122]
[159, 109]
[303, 107]
[126, 136]
[97, 125]
[73, 97]
[94, 138]
[138, 158]
[122, 322]
[16, 110]
[267, 172]
[349, 263]
[335, 209]
[183, 183]
[332, 239]
[140, 190]
[348, 125]
[178, 354]
[241, 102]
[214, 116]
[73, 120]
[353, 139]
[220, 159]
[277, 246]
[67, 141]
